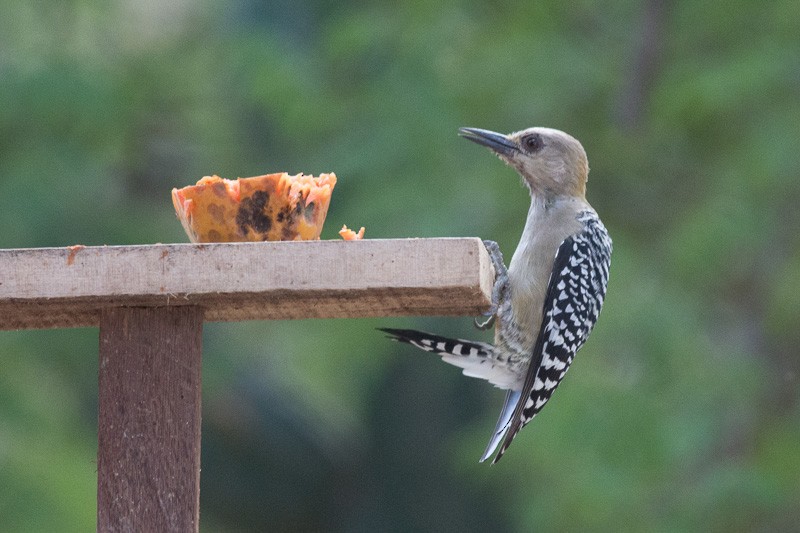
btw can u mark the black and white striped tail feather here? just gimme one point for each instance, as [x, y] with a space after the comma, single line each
[438, 344]
[475, 359]
[472, 356]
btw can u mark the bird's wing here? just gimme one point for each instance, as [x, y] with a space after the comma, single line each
[574, 296]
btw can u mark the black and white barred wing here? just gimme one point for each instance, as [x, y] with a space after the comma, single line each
[574, 297]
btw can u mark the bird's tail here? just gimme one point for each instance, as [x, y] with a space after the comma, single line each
[461, 351]
[512, 398]
[475, 358]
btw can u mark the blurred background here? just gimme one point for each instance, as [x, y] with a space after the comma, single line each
[680, 414]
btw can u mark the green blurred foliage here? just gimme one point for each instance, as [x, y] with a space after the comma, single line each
[681, 414]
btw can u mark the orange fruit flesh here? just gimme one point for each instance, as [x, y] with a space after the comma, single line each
[273, 207]
[350, 235]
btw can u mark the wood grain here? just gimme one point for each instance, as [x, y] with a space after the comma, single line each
[148, 461]
[69, 287]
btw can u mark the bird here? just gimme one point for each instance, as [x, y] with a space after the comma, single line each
[545, 304]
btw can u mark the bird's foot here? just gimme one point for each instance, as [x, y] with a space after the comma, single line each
[499, 287]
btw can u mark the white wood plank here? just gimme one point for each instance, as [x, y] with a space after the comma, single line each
[67, 287]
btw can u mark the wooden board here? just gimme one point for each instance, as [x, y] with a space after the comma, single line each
[68, 287]
[148, 456]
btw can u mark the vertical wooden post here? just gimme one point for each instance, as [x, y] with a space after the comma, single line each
[148, 460]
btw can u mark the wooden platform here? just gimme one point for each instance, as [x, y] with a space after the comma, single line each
[68, 287]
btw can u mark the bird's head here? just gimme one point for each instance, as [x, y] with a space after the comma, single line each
[550, 162]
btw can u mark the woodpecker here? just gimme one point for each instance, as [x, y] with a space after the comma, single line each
[546, 303]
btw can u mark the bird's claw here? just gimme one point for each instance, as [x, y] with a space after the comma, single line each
[500, 284]
[489, 322]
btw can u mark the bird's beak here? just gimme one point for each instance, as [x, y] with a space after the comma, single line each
[497, 142]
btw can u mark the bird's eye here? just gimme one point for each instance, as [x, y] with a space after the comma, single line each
[532, 143]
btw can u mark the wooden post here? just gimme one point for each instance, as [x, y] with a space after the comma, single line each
[148, 461]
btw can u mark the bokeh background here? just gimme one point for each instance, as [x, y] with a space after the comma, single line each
[680, 414]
